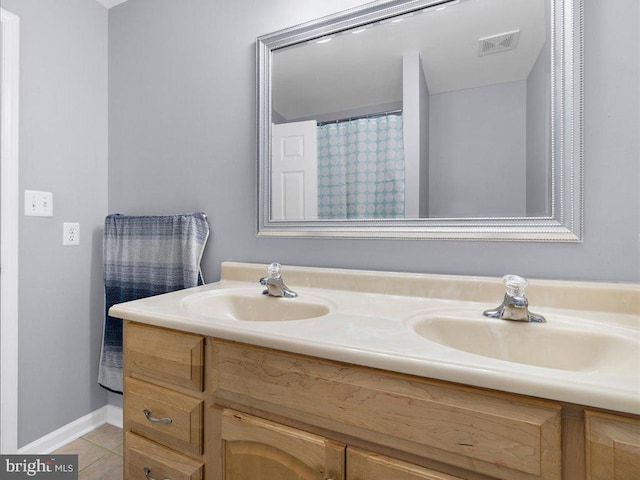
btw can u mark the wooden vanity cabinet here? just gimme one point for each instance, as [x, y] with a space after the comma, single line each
[240, 412]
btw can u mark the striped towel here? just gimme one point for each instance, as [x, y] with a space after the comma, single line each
[145, 256]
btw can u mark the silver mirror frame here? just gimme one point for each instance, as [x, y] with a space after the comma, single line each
[566, 222]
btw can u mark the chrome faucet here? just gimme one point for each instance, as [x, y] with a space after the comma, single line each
[515, 305]
[275, 285]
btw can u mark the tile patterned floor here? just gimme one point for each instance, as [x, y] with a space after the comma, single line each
[99, 453]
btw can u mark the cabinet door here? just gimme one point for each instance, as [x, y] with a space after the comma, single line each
[613, 447]
[255, 449]
[363, 465]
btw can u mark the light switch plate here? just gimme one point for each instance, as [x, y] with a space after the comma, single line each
[38, 204]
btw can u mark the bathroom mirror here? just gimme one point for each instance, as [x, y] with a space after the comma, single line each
[457, 119]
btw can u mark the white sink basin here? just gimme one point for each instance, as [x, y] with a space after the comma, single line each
[548, 345]
[252, 306]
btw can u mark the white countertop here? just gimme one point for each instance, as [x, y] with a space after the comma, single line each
[373, 329]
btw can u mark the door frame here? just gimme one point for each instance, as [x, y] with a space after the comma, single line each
[9, 216]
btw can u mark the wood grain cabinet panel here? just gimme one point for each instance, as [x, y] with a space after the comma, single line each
[466, 431]
[169, 356]
[362, 465]
[613, 447]
[256, 449]
[502, 436]
[173, 419]
[142, 458]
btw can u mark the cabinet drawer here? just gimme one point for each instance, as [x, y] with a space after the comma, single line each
[613, 447]
[172, 419]
[504, 436]
[169, 356]
[142, 458]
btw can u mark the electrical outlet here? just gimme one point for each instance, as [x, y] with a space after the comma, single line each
[38, 204]
[71, 234]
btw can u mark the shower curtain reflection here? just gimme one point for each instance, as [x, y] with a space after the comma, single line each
[361, 171]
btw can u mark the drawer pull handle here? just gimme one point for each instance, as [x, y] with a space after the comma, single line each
[147, 476]
[147, 414]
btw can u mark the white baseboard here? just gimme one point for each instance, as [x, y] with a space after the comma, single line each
[68, 433]
[114, 415]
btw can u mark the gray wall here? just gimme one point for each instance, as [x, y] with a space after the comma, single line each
[413, 88]
[477, 154]
[63, 149]
[538, 137]
[424, 145]
[182, 137]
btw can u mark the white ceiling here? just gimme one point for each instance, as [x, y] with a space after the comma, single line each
[110, 3]
[355, 71]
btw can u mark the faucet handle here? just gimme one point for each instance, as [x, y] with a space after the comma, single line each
[515, 305]
[515, 285]
[273, 271]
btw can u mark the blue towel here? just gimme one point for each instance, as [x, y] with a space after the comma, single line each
[145, 256]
